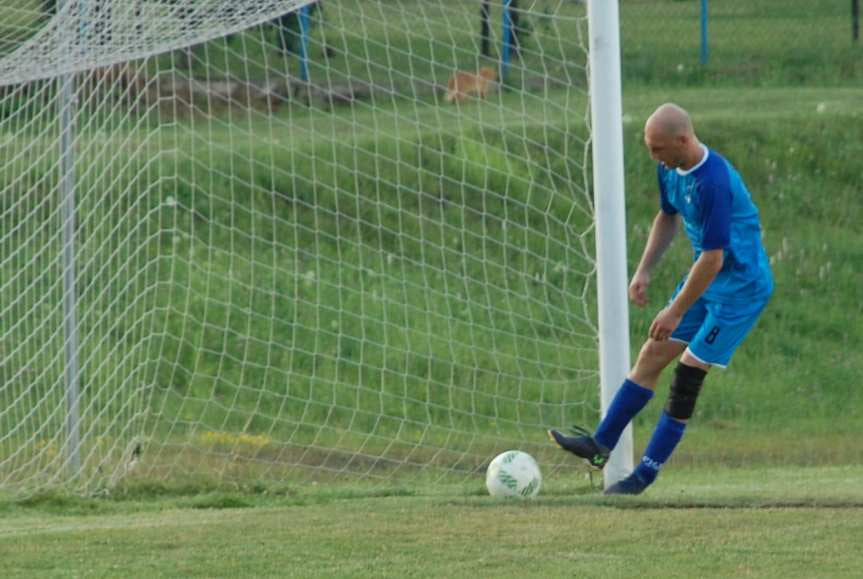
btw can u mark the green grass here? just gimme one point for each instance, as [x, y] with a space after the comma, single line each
[765, 43]
[749, 522]
[228, 357]
[784, 164]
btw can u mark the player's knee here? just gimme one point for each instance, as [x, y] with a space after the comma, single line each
[685, 388]
[656, 352]
[656, 355]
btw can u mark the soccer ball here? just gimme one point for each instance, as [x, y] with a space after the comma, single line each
[513, 474]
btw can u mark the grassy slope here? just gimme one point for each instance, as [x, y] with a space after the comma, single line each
[791, 376]
[801, 167]
[787, 381]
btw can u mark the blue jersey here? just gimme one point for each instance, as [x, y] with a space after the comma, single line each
[718, 213]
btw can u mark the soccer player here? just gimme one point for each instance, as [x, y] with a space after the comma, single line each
[713, 308]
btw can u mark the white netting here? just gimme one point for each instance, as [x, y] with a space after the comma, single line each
[292, 255]
[76, 35]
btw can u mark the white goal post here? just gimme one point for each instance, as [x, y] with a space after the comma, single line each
[265, 241]
[608, 185]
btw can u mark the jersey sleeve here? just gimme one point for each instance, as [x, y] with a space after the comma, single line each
[716, 196]
[664, 203]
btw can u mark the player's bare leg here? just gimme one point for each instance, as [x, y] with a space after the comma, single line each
[653, 358]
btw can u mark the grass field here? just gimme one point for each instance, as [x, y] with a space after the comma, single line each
[741, 522]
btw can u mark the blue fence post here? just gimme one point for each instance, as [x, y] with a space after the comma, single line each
[507, 40]
[855, 20]
[485, 29]
[705, 50]
[305, 11]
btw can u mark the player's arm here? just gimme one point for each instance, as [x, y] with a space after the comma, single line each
[701, 275]
[661, 235]
[716, 234]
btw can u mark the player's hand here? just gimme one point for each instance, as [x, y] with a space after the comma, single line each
[664, 324]
[638, 288]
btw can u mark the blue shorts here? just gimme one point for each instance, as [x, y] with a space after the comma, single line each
[714, 330]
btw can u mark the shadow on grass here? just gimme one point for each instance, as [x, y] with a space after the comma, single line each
[591, 498]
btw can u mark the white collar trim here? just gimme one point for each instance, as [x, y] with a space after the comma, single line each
[697, 165]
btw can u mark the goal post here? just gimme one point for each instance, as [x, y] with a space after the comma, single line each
[608, 185]
[353, 258]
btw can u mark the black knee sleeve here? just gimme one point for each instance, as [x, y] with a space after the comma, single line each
[684, 391]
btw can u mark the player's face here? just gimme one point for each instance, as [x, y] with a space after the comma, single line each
[664, 148]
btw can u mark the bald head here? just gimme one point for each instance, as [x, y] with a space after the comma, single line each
[670, 121]
[670, 138]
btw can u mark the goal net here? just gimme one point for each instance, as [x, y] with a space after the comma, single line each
[274, 240]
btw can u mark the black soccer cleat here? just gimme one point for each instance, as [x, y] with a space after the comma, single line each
[631, 485]
[581, 445]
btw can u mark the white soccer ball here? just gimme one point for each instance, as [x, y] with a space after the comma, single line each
[513, 474]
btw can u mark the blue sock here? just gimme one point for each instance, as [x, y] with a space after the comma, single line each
[665, 437]
[628, 402]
